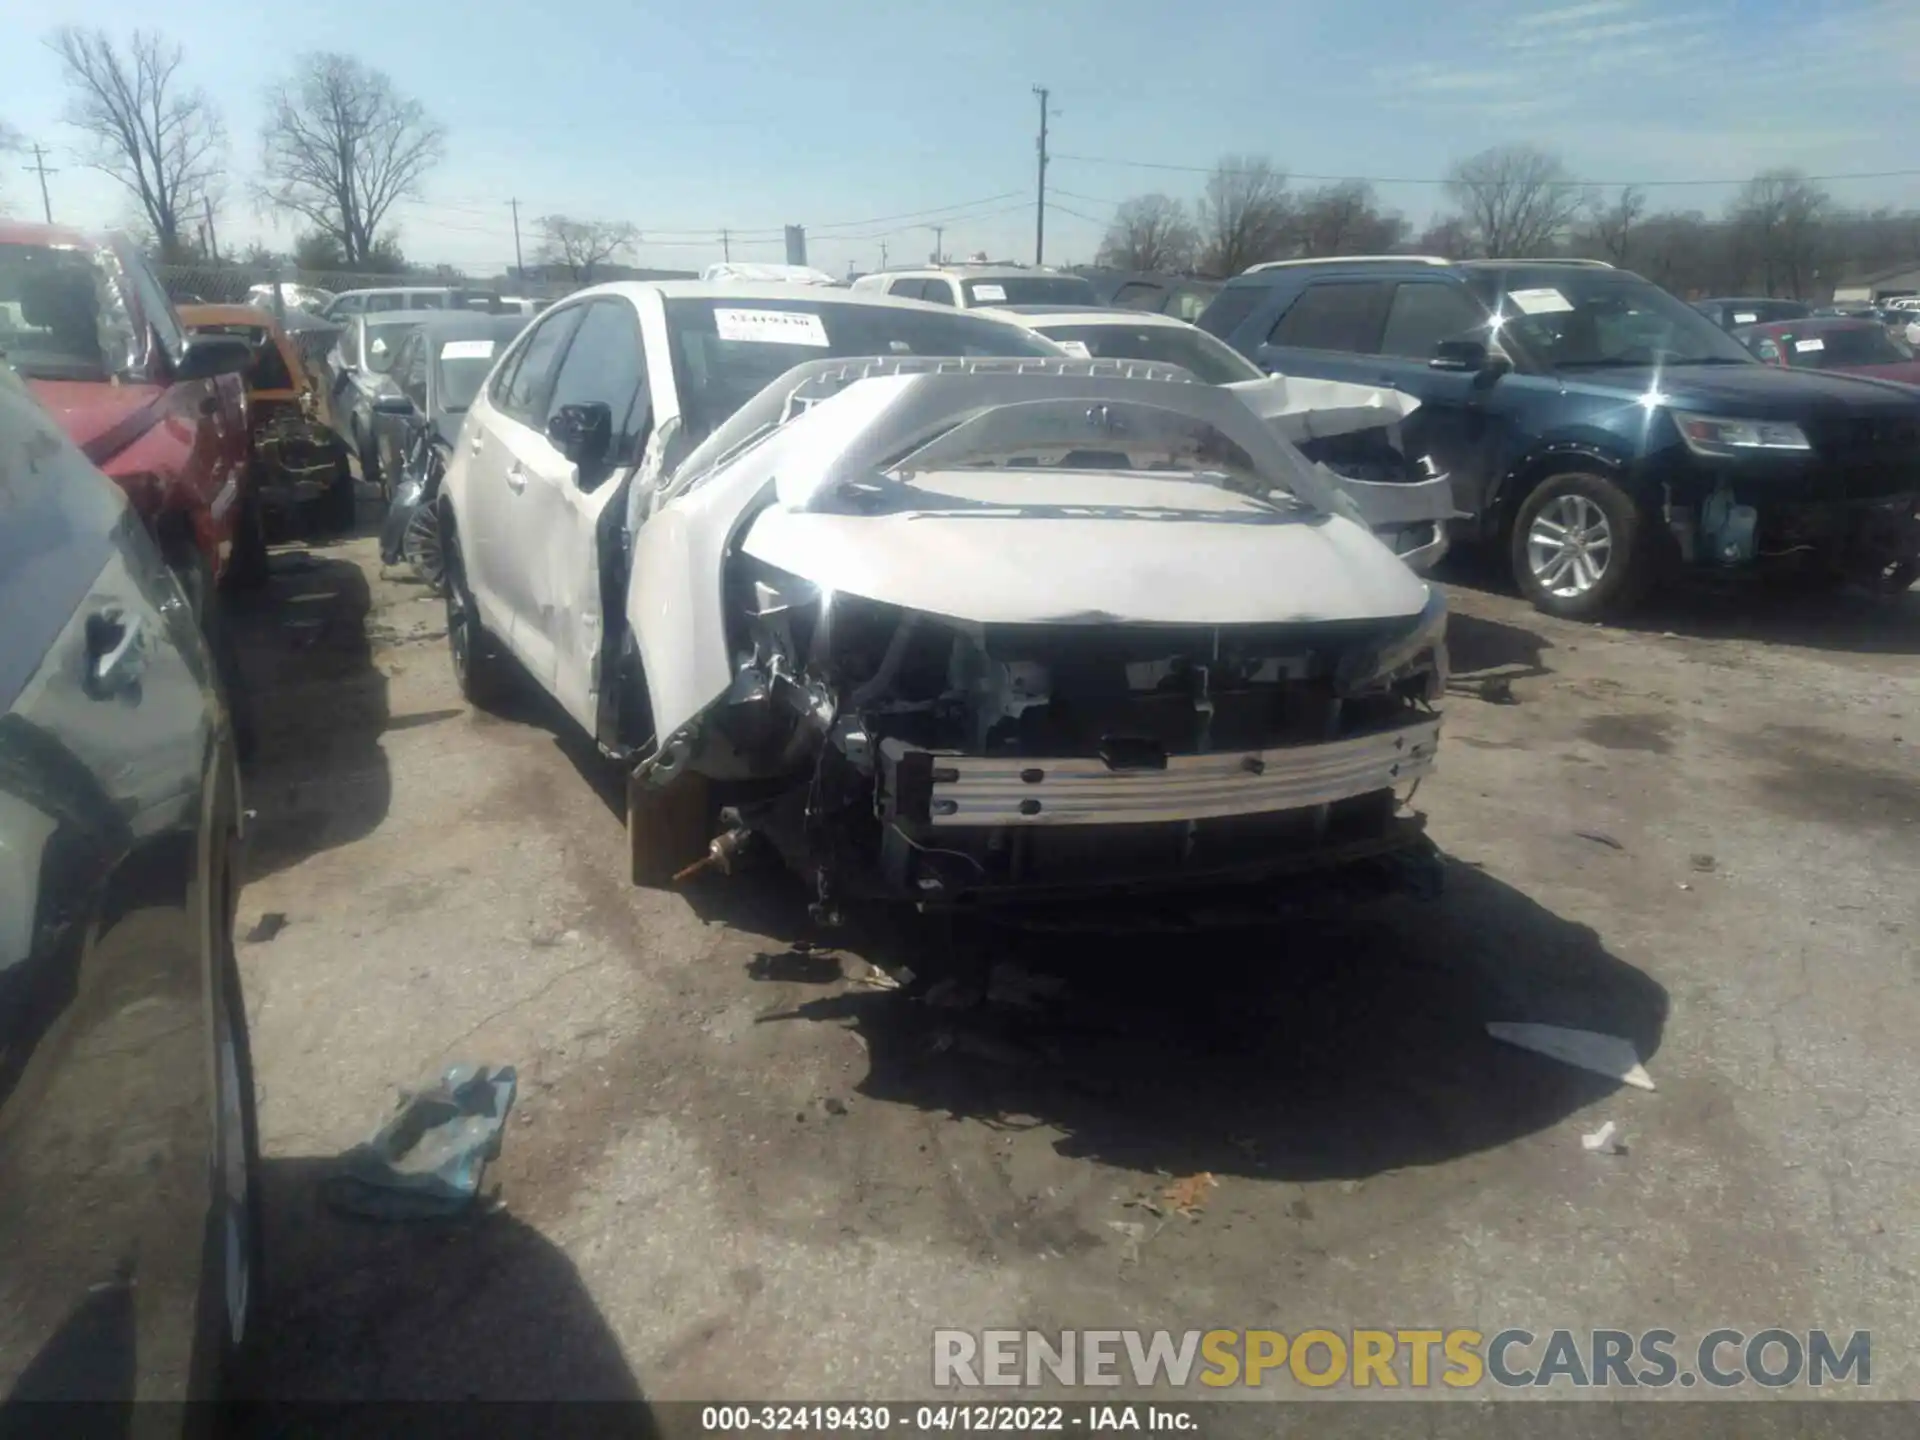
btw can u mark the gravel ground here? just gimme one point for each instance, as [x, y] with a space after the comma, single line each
[737, 1168]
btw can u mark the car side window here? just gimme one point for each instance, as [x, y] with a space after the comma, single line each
[524, 394]
[350, 347]
[938, 292]
[347, 305]
[908, 289]
[1342, 315]
[1230, 308]
[607, 363]
[410, 370]
[378, 303]
[1139, 295]
[427, 300]
[1425, 312]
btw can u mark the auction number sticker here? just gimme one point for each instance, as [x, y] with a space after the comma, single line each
[1546, 301]
[1802, 347]
[989, 292]
[1076, 348]
[771, 327]
[467, 350]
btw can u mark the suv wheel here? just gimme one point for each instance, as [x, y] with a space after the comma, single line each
[1578, 548]
[479, 667]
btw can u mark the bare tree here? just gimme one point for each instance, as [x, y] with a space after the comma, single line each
[1684, 252]
[1344, 219]
[1516, 200]
[1776, 220]
[341, 147]
[582, 245]
[149, 130]
[1149, 232]
[1612, 226]
[1447, 237]
[1244, 215]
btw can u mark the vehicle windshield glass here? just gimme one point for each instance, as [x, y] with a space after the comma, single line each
[727, 351]
[61, 315]
[383, 343]
[463, 367]
[1195, 350]
[1032, 290]
[1566, 317]
[1839, 345]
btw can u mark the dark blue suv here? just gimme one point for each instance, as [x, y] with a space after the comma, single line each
[1598, 428]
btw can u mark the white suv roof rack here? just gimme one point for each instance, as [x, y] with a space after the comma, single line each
[1350, 260]
[1545, 260]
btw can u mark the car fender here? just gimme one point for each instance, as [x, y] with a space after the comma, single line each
[1552, 455]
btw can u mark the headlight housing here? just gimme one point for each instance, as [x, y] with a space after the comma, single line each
[1378, 664]
[1720, 435]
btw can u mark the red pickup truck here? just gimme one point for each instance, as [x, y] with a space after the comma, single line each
[84, 321]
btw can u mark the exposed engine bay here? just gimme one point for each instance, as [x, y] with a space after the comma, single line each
[1265, 705]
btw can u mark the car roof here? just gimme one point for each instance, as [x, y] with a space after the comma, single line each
[403, 317]
[977, 272]
[466, 324]
[771, 290]
[27, 232]
[224, 315]
[1749, 300]
[1811, 324]
[1031, 315]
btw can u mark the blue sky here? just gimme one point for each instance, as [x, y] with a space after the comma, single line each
[749, 114]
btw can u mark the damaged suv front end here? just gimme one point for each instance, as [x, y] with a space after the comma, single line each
[1015, 630]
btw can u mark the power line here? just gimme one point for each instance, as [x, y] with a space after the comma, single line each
[1429, 180]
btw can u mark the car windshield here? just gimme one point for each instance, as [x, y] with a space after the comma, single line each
[1195, 350]
[727, 351]
[1031, 290]
[61, 316]
[269, 369]
[383, 343]
[1566, 317]
[462, 366]
[1835, 346]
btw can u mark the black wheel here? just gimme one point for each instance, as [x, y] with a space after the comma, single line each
[237, 1231]
[1580, 549]
[247, 566]
[420, 546]
[337, 511]
[481, 669]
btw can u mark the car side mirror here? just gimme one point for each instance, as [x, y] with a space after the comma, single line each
[210, 355]
[582, 433]
[1459, 355]
[393, 404]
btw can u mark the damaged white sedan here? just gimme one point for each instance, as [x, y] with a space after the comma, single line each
[940, 614]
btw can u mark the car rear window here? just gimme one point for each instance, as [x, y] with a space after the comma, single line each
[1031, 290]
[63, 315]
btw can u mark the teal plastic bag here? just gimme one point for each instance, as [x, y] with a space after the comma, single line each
[426, 1161]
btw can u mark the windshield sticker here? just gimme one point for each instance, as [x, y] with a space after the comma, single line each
[1802, 347]
[984, 293]
[467, 350]
[1076, 348]
[1744, 317]
[1539, 302]
[771, 327]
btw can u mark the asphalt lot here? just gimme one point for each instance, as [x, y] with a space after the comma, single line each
[736, 1169]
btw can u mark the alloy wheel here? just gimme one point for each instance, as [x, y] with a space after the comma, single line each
[1569, 546]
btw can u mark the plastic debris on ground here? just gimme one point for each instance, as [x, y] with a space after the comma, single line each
[1608, 1055]
[1604, 1141]
[425, 1162]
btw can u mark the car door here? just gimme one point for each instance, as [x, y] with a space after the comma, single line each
[566, 505]
[392, 431]
[494, 477]
[111, 762]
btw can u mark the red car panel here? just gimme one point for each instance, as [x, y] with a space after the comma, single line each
[1853, 347]
[179, 448]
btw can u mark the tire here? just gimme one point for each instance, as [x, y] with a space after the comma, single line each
[247, 566]
[481, 668]
[337, 512]
[1609, 564]
[238, 1231]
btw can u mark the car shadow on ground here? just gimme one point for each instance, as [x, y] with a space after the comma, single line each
[477, 1308]
[317, 776]
[1330, 1050]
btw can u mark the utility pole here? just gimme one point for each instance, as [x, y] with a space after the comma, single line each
[1040, 213]
[939, 246]
[519, 265]
[883, 254]
[213, 245]
[39, 167]
[726, 246]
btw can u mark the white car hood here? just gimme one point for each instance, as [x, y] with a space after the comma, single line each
[1040, 547]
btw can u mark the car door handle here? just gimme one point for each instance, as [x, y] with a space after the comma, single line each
[116, 653]
[517, 479]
